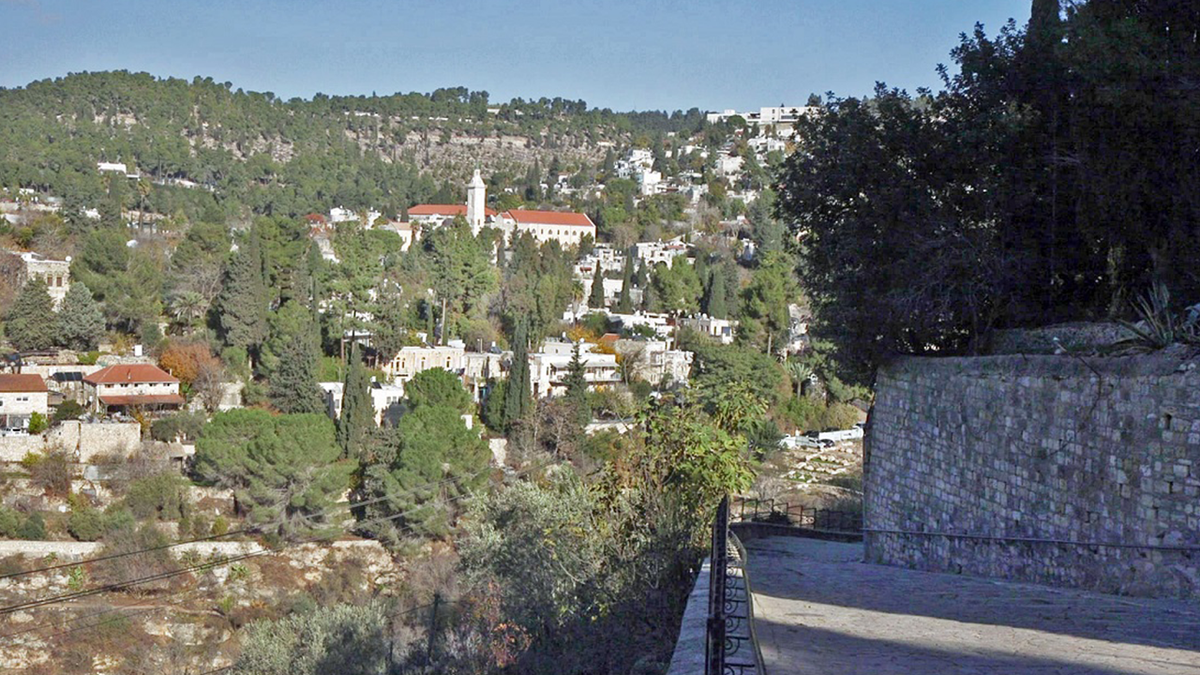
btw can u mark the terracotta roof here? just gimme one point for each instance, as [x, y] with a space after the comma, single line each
[130, 372]
[12, 383]
[444, 210]
[143, 399]
[550, 217]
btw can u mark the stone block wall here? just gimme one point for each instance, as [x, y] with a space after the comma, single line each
[1053, 469]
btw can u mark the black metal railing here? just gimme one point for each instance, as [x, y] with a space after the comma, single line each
[729, 644]
[795, 515]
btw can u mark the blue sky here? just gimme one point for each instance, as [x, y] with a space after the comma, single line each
[655, 54]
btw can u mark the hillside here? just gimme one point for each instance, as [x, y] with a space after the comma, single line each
[255, 150]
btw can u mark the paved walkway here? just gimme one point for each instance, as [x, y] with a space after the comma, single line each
[819, 611]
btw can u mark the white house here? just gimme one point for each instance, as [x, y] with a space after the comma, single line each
[653, 252]
[721, 329]
[548, 369]
[21, 395]
[385, 399]
[131, 385]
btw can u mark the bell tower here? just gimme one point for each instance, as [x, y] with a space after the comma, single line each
[476, 202]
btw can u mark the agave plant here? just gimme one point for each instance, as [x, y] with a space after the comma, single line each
[1158, 326]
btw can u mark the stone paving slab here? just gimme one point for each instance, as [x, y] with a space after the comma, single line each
[821, 611]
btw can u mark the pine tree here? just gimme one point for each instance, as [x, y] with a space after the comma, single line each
[596, 300]
[624, 303]
[242, 303]
[80, 321]
[516, 396]
[292, 384]
[358, 414]
[31, 321]
[577, 392]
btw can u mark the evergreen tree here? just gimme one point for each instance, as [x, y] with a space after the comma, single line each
[358, 414]
[715, 300]
[31, 321]
[292, 383]
[516, 395]
[242, 303]
[596, 300]
[624, 303]
[80, 321]
[284, 469]
[577, 391]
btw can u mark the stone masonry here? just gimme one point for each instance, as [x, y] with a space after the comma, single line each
[1054, 469]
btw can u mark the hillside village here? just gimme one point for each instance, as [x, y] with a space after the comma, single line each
[435, 383]
[112, 399]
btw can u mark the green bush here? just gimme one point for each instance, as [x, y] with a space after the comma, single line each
[840, 416]
[86, 524]
[804, 412]
[89, 358]
[158, 497]
[185, 424]
[67, 410]
[38, 423]
[10, 523]
[34, 528]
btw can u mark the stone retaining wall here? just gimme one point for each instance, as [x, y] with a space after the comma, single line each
[992, 457]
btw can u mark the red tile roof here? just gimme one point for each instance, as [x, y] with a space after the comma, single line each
[550, 217]
[448, 210]
[143, 399]
[131, 372]
[13, 383]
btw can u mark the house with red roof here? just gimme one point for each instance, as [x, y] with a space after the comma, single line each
[127, 386]
[21, 395]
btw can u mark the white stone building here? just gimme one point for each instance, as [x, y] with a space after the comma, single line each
[653, 252]
[412, 360]
[655, 361]
[21, 395]
[548, 368]
[56, 273]
[721, 329]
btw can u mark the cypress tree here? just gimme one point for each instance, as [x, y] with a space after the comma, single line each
[716, 306]
[292, 385]
[358, 414]
[242, 303]
[80, 321]
[31, 321]
[624, 303]
[596, 300]
[516, 395]
[577, 394]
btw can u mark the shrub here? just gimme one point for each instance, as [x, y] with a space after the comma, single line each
[89, 358]
[51, 472]
[37, 423]
[158, 497]
[10, 523]
[67, 410]
[840, 416]
[148, 558]
[86, 524]
[342, 638]
[34, 528]
[183, 424]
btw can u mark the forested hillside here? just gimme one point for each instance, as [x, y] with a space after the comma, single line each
[254, 151]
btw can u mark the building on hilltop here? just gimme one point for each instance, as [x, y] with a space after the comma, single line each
[567, 228]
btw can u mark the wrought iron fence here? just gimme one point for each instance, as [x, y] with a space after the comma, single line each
[783, 513]
[729, 648]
